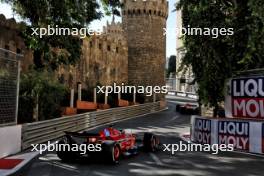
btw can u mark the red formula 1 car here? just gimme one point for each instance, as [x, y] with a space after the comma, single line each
[188, 108]
[109, 145]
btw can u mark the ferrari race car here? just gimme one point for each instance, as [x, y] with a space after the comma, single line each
[109, 144]
[187, 108]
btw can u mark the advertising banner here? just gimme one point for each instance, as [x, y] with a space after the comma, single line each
[245, 135]
[262, 138]
[246, 98]
[233, 132]
[202, 131]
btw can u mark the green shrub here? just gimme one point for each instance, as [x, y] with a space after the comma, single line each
[40, 88]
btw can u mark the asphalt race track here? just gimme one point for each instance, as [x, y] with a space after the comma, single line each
[168, 125]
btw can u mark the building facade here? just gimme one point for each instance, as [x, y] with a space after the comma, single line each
[185, 77]
[103, 61]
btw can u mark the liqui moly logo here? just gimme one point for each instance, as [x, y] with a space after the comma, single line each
[202, 131]
[248, 97]
[236, 133]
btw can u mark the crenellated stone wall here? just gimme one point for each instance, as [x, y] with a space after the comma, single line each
[104, 59]
[143, 23]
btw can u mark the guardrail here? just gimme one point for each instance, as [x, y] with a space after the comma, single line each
[183, 94]
[40, 132]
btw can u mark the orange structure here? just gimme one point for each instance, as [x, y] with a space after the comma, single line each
[69, 111]
[85, 105]
[123, 103]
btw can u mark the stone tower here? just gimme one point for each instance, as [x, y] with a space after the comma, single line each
[143, 22]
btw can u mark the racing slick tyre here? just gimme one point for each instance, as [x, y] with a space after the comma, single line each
[66, 156]
[111, 152]
[178, 108]
[150, 142]
[182, 110]
[196, 111]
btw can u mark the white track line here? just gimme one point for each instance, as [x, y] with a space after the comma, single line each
[156, 159]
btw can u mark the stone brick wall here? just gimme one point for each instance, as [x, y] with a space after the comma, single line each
[106, 57]
[143, 23]
[104, 60]
[10, 40]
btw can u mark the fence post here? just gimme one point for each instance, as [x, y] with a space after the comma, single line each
[17, 95]
[72, 98]
[80, 92]
[95, 98]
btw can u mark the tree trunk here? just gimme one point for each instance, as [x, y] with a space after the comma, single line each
[216, 108]
[36, 110]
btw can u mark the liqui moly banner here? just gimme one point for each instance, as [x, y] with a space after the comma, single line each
[246, 135]
[202, 131]
[236, 133]
[262, 141]
[245, 98]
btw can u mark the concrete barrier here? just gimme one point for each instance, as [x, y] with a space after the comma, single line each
[10, 138]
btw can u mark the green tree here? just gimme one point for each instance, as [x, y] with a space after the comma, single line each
[40, 96]
[171, 65]
[51, 51]
[215, 59]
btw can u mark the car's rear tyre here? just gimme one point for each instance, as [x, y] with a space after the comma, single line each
[150, 142]
[111, 152]
[178, 108]
[66, 156]
[196, 111]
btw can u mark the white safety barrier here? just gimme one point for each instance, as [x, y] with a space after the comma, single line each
[10, 138]
[190, 95]
[245, 134]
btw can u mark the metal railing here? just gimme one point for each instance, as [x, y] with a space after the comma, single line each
[183, 94]
[9, 86]
[41, 132]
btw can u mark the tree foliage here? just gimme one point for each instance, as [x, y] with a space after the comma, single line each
[215, 59]
[172, 65]
[51, 51]
[42, 89]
